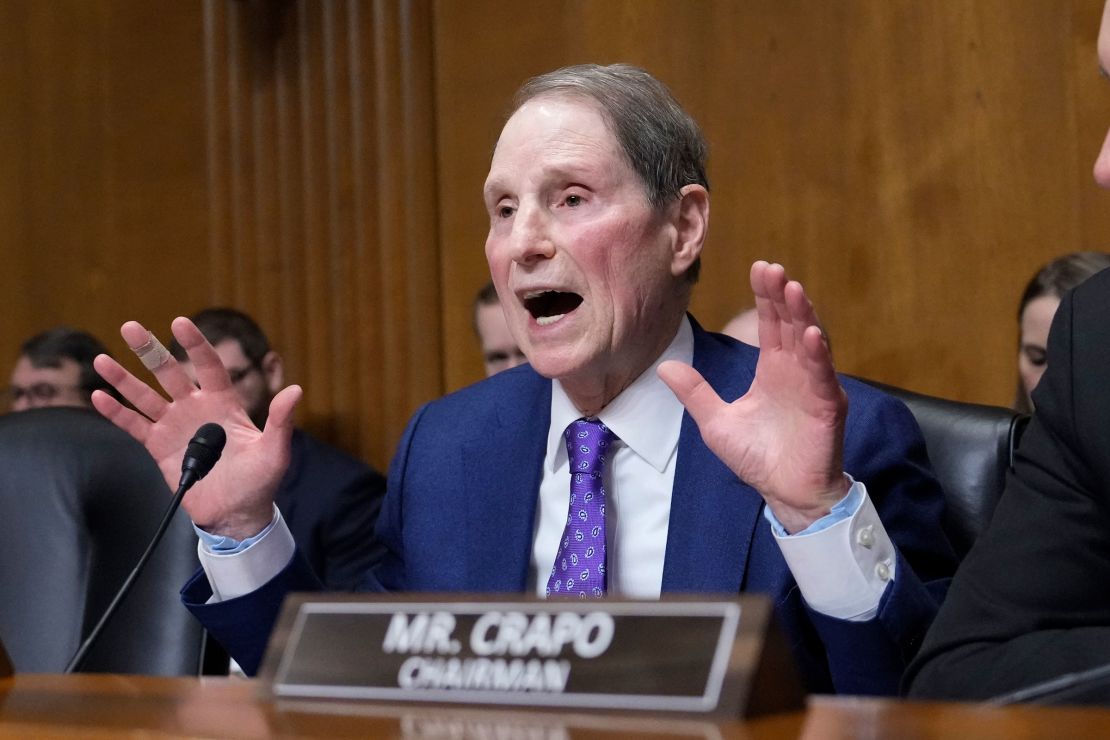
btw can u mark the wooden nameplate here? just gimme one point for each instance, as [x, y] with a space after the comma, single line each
[707, 657]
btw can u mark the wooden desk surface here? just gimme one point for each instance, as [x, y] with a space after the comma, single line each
[95, 706]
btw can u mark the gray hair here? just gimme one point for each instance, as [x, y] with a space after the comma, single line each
[660, 140]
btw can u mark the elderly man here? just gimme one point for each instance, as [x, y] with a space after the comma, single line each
[598, 206]
[1031, 603]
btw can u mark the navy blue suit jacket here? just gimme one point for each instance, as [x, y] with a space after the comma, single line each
[460, 511]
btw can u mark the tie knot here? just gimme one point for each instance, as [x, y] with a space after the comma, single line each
[588, 443]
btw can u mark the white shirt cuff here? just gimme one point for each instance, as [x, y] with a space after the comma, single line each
[843, 569]
[233, 574]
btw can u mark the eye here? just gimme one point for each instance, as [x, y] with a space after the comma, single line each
[1036, 356]
[504, 211]
[573, 201]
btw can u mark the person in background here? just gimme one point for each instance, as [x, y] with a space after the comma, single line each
[1030, 603]
[499, 349]
[55, 368]
[329, 499]
[744, 327]
[1038, 305]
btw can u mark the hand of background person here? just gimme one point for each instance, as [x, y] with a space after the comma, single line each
[236, 498]
[785, 436]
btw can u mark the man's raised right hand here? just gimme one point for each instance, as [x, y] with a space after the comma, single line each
[236, 498]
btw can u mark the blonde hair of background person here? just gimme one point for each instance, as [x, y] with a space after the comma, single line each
[1038, 305]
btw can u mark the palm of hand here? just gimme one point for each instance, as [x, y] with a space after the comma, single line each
[245, 472]
[783, 437]
[236, 498]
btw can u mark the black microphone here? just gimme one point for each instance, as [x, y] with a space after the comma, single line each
[200, 455]
[1070, 688]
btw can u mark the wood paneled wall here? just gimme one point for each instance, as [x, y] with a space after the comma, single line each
[319, 164]
[274, 156]
[320, 126]
[911, 162]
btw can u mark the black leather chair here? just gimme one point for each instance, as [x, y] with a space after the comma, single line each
[79, 502]
[971, 447]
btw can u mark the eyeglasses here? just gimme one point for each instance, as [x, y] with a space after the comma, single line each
[37, 394]
[238, 374]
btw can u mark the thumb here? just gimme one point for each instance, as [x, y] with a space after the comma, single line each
[691, 389]
[279, 422]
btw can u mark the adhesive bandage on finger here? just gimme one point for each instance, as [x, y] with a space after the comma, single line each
[152, 353]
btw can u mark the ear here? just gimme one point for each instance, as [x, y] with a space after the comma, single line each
[273, 370]
[691, 222]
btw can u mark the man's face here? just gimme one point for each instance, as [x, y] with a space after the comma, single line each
[1102, 164]
[252, 382]
[499, 349]
[35, 387]
[583, 265]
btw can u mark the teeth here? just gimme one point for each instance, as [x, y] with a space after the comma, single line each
[547, 320]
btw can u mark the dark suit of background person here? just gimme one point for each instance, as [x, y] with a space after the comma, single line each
[1032, 599]
[331, 501]
[452, 522]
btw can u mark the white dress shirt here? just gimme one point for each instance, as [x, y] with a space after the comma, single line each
[639, 477]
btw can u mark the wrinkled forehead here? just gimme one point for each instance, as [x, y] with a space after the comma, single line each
[557, 133]
[553, 110]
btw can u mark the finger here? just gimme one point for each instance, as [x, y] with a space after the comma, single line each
[800, 309]
[210, 371]
[278, 431]
[774, 285]
[129, 421]
[280, 419]
[770, 334]
[819, 365]
[157, 359]
[692, 390]
[138, 394]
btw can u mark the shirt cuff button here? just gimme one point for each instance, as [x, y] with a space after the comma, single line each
[866, 536]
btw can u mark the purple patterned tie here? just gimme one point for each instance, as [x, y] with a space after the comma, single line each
[580, 562]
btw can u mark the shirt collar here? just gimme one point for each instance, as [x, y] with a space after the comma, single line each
[646, 415]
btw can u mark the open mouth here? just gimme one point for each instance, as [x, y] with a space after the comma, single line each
[548, 306]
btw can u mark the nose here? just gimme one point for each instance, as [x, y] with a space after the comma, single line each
[1102, 164]
[531, 235]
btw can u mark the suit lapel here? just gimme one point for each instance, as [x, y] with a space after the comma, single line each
[713, 514]
[503, 469]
